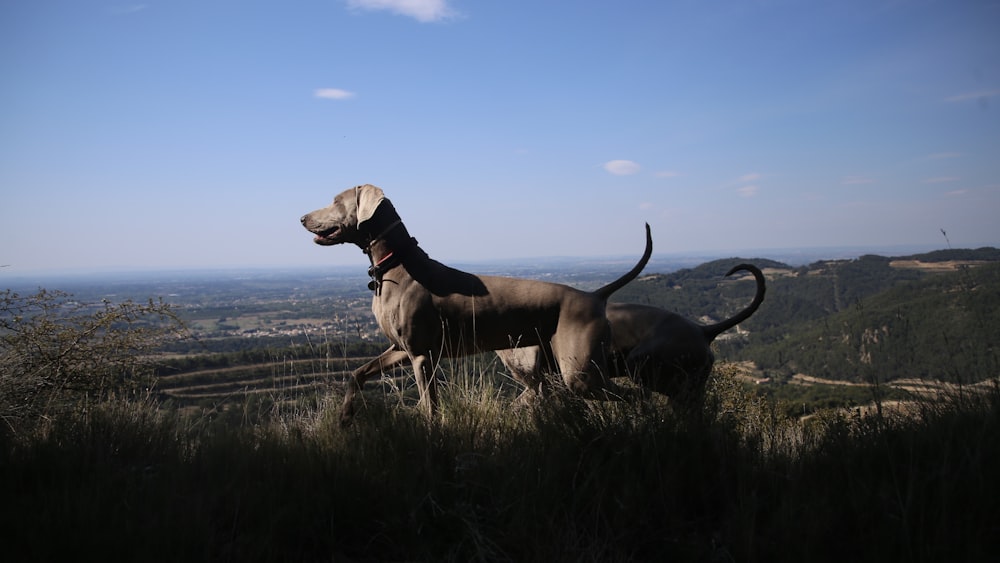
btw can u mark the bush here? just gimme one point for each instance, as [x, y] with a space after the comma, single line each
[56, 352]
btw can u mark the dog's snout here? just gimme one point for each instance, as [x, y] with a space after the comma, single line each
[303, 219]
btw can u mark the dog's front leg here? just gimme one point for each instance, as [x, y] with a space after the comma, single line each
[386, 360]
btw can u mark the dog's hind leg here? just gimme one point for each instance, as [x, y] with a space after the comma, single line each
[423, 370]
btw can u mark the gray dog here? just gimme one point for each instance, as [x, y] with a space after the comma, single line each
[430, 311]
[658, 349]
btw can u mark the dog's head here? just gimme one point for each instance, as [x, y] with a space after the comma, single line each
[343, 220]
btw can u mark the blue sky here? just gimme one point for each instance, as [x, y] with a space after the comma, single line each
[194, 133]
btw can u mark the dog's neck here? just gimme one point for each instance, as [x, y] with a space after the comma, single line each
[388, 243]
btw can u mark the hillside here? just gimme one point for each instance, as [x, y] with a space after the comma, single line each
[874, 317]
[938, 327]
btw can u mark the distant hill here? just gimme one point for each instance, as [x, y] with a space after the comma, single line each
[984, 254]
[923, 315]
[942, 326]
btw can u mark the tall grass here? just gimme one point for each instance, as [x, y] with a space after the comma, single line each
[569, 480]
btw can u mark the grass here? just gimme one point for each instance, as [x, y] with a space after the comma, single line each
[569, 481]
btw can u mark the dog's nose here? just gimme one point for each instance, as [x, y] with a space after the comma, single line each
[303, 219]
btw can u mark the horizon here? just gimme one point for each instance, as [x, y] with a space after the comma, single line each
[791, 256]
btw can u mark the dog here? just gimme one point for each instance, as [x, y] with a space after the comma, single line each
[430, 311]
[659, 350]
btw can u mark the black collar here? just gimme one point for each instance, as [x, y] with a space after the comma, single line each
[389, 261]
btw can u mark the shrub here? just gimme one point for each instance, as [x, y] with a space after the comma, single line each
[56, 352]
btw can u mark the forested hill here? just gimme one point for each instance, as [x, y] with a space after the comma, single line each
[984, 254]
[928, 315]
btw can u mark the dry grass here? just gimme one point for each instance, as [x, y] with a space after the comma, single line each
[567, 480]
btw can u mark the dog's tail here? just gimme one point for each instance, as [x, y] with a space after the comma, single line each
[619, 283]
[711, 331]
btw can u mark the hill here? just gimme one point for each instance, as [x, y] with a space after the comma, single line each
[938, 327]
[925, 315]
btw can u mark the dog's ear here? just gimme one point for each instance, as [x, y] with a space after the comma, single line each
[369, 198]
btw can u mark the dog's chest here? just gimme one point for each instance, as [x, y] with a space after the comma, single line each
[395, 308]
[387, 315]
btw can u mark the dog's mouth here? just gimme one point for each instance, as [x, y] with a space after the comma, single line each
[328, 237]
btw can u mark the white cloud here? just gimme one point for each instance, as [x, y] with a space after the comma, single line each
[646, 205]
[941, 180]
[956, 193]
[622, 167]
[333, 94]
[855, 180]
[748, 191]
[127, 9]
[420, 10]
[981, 95]
[751, 177]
